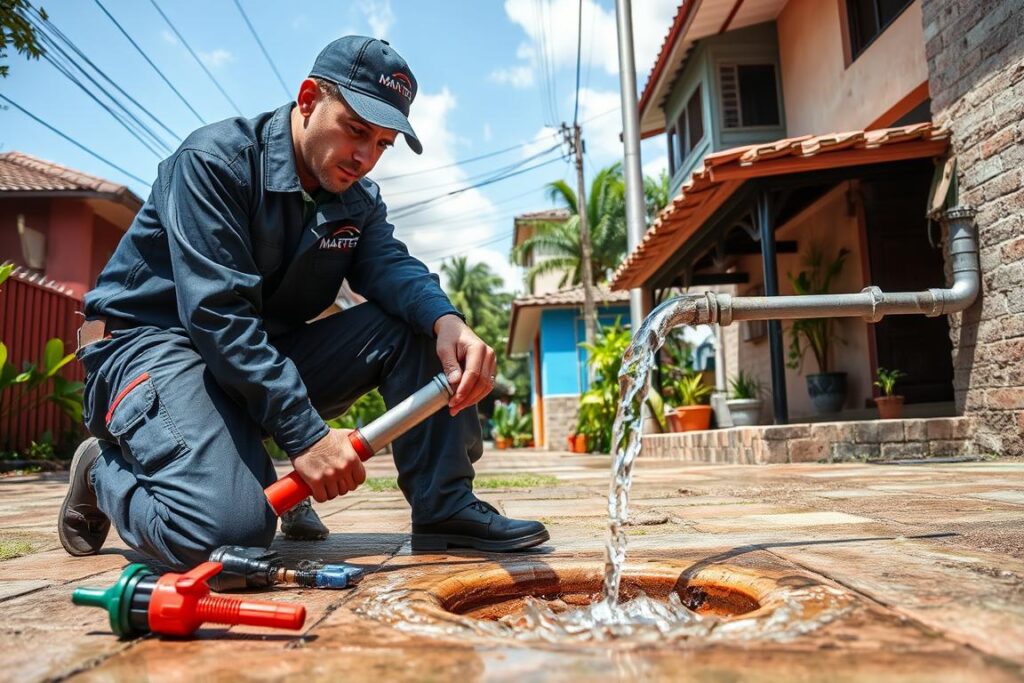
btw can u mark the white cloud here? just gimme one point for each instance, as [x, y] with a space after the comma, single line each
[168, 37]
[516, 76]
[487, 133]
[216, 58]
[300, 22]
[444, 228]
[550, 27]
[379, 16]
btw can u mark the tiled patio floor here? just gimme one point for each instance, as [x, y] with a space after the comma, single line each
[934, 555]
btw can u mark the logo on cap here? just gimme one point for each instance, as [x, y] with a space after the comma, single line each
[398, 82]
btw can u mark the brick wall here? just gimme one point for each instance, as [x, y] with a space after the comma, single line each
[975, 52]
[559, 420]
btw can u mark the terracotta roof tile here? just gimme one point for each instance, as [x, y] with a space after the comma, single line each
[20, 172]
[705, 182]
[571, 296]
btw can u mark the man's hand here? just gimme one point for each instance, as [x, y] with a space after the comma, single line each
[468, 362]
[331, 466]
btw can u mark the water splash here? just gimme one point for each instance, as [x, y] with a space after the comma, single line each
[640, 619]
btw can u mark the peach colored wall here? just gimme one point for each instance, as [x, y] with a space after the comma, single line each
[823, 94]
[831, 227]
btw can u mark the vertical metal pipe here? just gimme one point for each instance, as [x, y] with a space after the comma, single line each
[766, 225]
[635, 206]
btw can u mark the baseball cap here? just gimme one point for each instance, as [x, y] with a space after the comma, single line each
[374, 80]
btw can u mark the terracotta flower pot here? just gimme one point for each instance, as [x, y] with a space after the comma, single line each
[581, 443]
[570, 443]
[890, 407]
[672, 422]
[500, 442]
[693, 418]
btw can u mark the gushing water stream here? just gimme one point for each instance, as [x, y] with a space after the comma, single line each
[640, 619]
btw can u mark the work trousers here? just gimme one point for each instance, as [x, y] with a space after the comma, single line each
[183, 466]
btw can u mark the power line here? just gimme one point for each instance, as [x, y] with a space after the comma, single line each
[471, 213]
[128, 120]
[449, 251]
[46, 22]
[150, 62]
[464, 161]
[195, 57]
[485, 174]
[579, 48]
[405, 210]
[263, 49]
[71, 140]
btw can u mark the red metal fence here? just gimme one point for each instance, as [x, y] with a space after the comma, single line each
[32, 311]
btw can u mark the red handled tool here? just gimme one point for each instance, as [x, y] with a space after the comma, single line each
[289, 491]
[177, 604]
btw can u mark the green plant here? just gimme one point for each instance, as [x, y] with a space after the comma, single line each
[692, 391]
[887, 380]
[815, 334]
[600, 402]
[24, 391]
[744, 386]
[365, 410]
[504, 420]
[522, 430]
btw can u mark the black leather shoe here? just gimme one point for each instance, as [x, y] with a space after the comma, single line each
[479, 526]
[82, 526]
[301, 523]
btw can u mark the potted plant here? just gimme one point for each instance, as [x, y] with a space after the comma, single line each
[504, 421]
[522, 430]
[693, 411]
[827, 389]
[890, 407]
[744, 400]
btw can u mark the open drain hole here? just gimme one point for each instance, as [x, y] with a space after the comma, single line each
[492, 596]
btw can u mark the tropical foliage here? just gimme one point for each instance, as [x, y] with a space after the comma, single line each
[656, 195]
[24, 390]
[16, 30]
[744, 386]
[887, 380]
[816, 334]
[476, 291]
[600, 402]
[691, 390]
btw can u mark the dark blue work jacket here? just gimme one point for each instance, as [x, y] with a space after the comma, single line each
[209, 254]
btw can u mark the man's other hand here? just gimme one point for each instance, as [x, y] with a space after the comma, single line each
[468, 362]
[331, 466]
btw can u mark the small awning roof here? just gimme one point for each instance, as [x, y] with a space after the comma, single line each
[526, 311]
[722, 173]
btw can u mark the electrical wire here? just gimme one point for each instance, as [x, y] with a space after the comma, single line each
[579, 50]
[48, 24]
[406, 210]
[263, 49]
[71, 140]
[464, 161]
[196, 57]
[150, 62]
[64, 63]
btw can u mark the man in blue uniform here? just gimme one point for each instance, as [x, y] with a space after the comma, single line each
[197, 345]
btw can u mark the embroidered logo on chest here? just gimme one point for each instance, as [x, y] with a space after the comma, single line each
[342, 238]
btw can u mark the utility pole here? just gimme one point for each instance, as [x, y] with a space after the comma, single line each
[572, 136]
[635, 209]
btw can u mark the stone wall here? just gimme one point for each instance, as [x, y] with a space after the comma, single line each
[863, 441]
[975, 52]
[560, 414]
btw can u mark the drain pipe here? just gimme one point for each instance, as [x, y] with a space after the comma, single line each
[871, 303]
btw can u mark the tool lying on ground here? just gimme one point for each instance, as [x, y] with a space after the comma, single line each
[144, 602]
[289, 491]
[260, 568]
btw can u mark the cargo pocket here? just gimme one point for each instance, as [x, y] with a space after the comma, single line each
[140, 423]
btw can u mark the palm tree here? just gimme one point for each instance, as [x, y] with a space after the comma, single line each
[473, 289]
[559, 242]
[656, 195]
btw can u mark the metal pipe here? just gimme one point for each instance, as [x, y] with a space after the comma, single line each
[871, 303]
[635, 205]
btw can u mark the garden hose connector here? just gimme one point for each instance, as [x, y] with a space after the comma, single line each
[171, 604]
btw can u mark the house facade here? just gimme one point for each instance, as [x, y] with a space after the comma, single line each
[796, 127]
[547, 327]
[60, 223]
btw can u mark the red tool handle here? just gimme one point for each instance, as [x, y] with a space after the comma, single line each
[289, 491]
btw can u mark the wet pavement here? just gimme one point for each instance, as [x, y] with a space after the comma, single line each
[929, 558]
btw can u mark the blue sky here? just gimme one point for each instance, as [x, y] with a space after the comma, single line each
[483, 87]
